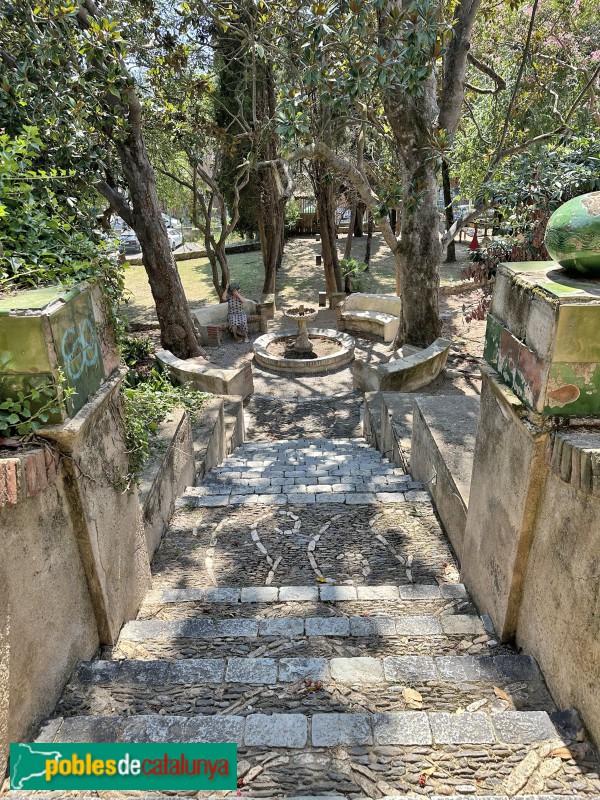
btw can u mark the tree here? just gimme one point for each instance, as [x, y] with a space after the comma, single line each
[47, 49]
[387, 67]
[246, 111]
[188, 147]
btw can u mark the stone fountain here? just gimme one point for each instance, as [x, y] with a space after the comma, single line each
[302, 316]
[303, 358]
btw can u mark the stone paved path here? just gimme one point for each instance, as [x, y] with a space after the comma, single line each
[306, 605]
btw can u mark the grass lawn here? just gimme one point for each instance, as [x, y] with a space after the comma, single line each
[298, 280]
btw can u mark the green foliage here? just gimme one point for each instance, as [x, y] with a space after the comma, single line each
[145, 407]
[544, 178]
[47, 235]
[134, 349]
[24, 415]
[292, 214]
[352, 273]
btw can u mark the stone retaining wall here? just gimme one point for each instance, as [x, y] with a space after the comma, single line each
[76, 548]
[52, 622]
[166, 475]
[559, 619]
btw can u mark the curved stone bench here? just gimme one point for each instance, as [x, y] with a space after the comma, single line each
[403, 374]
[205, 378]
[370, 313]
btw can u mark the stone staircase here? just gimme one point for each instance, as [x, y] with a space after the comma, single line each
[307, 606]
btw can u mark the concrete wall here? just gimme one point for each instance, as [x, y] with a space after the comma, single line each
[4, 671]
[166, 475]
[442, 445]
[507, 479]
[52, 622]
[107, 520]
[559, 620]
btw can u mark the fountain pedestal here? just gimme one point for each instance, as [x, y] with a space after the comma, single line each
[302, 316]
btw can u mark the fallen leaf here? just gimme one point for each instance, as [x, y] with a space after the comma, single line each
[412, 698]
[501, 694]
[321, 580]
[562, 752]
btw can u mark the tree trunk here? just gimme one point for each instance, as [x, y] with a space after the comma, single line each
[325, 195]
[369, 241]
[359, 219]
[271, 224]
[413, 120]
[451, 251]
[419, 254]
[350, 237]
[177, 329]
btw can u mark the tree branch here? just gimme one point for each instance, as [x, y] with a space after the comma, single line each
[117, 200]
[320, 151]
[513, 98]
[460, 223]
[557, 131]
[479, 89]
[8, 59]
[487, 70]
[174, 177]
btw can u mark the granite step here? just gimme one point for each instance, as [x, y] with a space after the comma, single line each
[293, 731]
[308, 594]
[299, 627]
[346, 671]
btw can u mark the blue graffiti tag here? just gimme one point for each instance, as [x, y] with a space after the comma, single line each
[79, 345]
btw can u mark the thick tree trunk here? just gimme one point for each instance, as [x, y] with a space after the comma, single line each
[418, 261]
[325, 195]
[451, 250]
[271, 229]
[369, 240]
[412, 120]
[359, 219]
[177, 329]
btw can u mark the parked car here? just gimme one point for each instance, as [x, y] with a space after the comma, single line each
[174, 231]
[128, 241]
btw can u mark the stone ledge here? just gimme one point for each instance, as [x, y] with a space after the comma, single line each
[165, 475]
[205, 378]
[295, 627]
[574, 456]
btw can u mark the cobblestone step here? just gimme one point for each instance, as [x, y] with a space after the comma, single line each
[300, 472]
[301, 496]
[347, 671]
[309, 594]
[321, 730]
[162, 795]
[293, 627]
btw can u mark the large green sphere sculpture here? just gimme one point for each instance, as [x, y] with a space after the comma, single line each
[573, 234]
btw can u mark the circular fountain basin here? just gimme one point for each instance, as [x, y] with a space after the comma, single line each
[342, 356]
